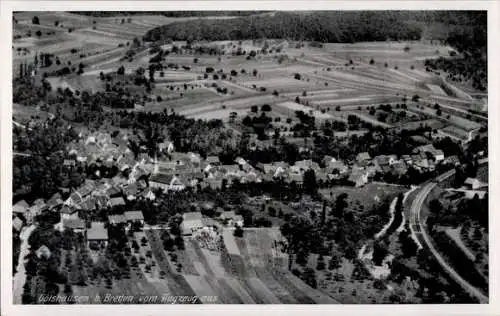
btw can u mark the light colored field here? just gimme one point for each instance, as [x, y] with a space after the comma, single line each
[199, 285]
[436, 89]
[292, 107]
[229, 242]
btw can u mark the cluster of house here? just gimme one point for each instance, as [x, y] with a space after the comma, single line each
[140, 175]
[423, 158]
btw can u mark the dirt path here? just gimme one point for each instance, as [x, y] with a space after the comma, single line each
[20, 277]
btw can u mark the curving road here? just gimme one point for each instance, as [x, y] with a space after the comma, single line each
[418, 229]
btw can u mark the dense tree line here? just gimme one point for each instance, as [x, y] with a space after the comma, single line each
[173, 14]
[324, 26]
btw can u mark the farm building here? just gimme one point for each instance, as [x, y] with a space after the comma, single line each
[97, 235]
[191, 222]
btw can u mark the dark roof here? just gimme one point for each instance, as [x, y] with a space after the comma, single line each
[162, 178]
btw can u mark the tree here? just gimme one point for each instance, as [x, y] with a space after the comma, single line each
[408, 246]
[380, 251]
[320, 265]
[334, 262]
[310, 183]
[372, 61]
[38, 33]
[254, 108]
[266, 108]
[35, 20]
[254, 72]
[238, 232]
[121, 70]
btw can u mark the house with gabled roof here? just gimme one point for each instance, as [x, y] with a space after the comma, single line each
[33, 211]
[54, 201]
[77, 225]
[117, 219]
[191, 222]
[17, 224]
[166, 182]
[148, 194]
[97, 234]
[358, 178]
[68, 212]
[75, 199]
[363, 157]
[20, 207]
[475, 184]
[134, 219]
[116, 201]
[213, 160]
[131, 191]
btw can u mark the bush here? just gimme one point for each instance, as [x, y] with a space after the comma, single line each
[35, 20]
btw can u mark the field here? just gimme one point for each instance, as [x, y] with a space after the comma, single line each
[366, 195]
[342, 76]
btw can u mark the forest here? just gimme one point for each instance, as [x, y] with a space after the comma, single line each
[323, 26]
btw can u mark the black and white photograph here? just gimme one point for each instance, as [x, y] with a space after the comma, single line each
[248, 157]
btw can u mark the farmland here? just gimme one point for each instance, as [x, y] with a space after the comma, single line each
[238, 272]
[329, 82]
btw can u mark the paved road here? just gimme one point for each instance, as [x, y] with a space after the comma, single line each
[419, 230]
[20, 277]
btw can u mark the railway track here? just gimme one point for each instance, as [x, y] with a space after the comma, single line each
[418, 229]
